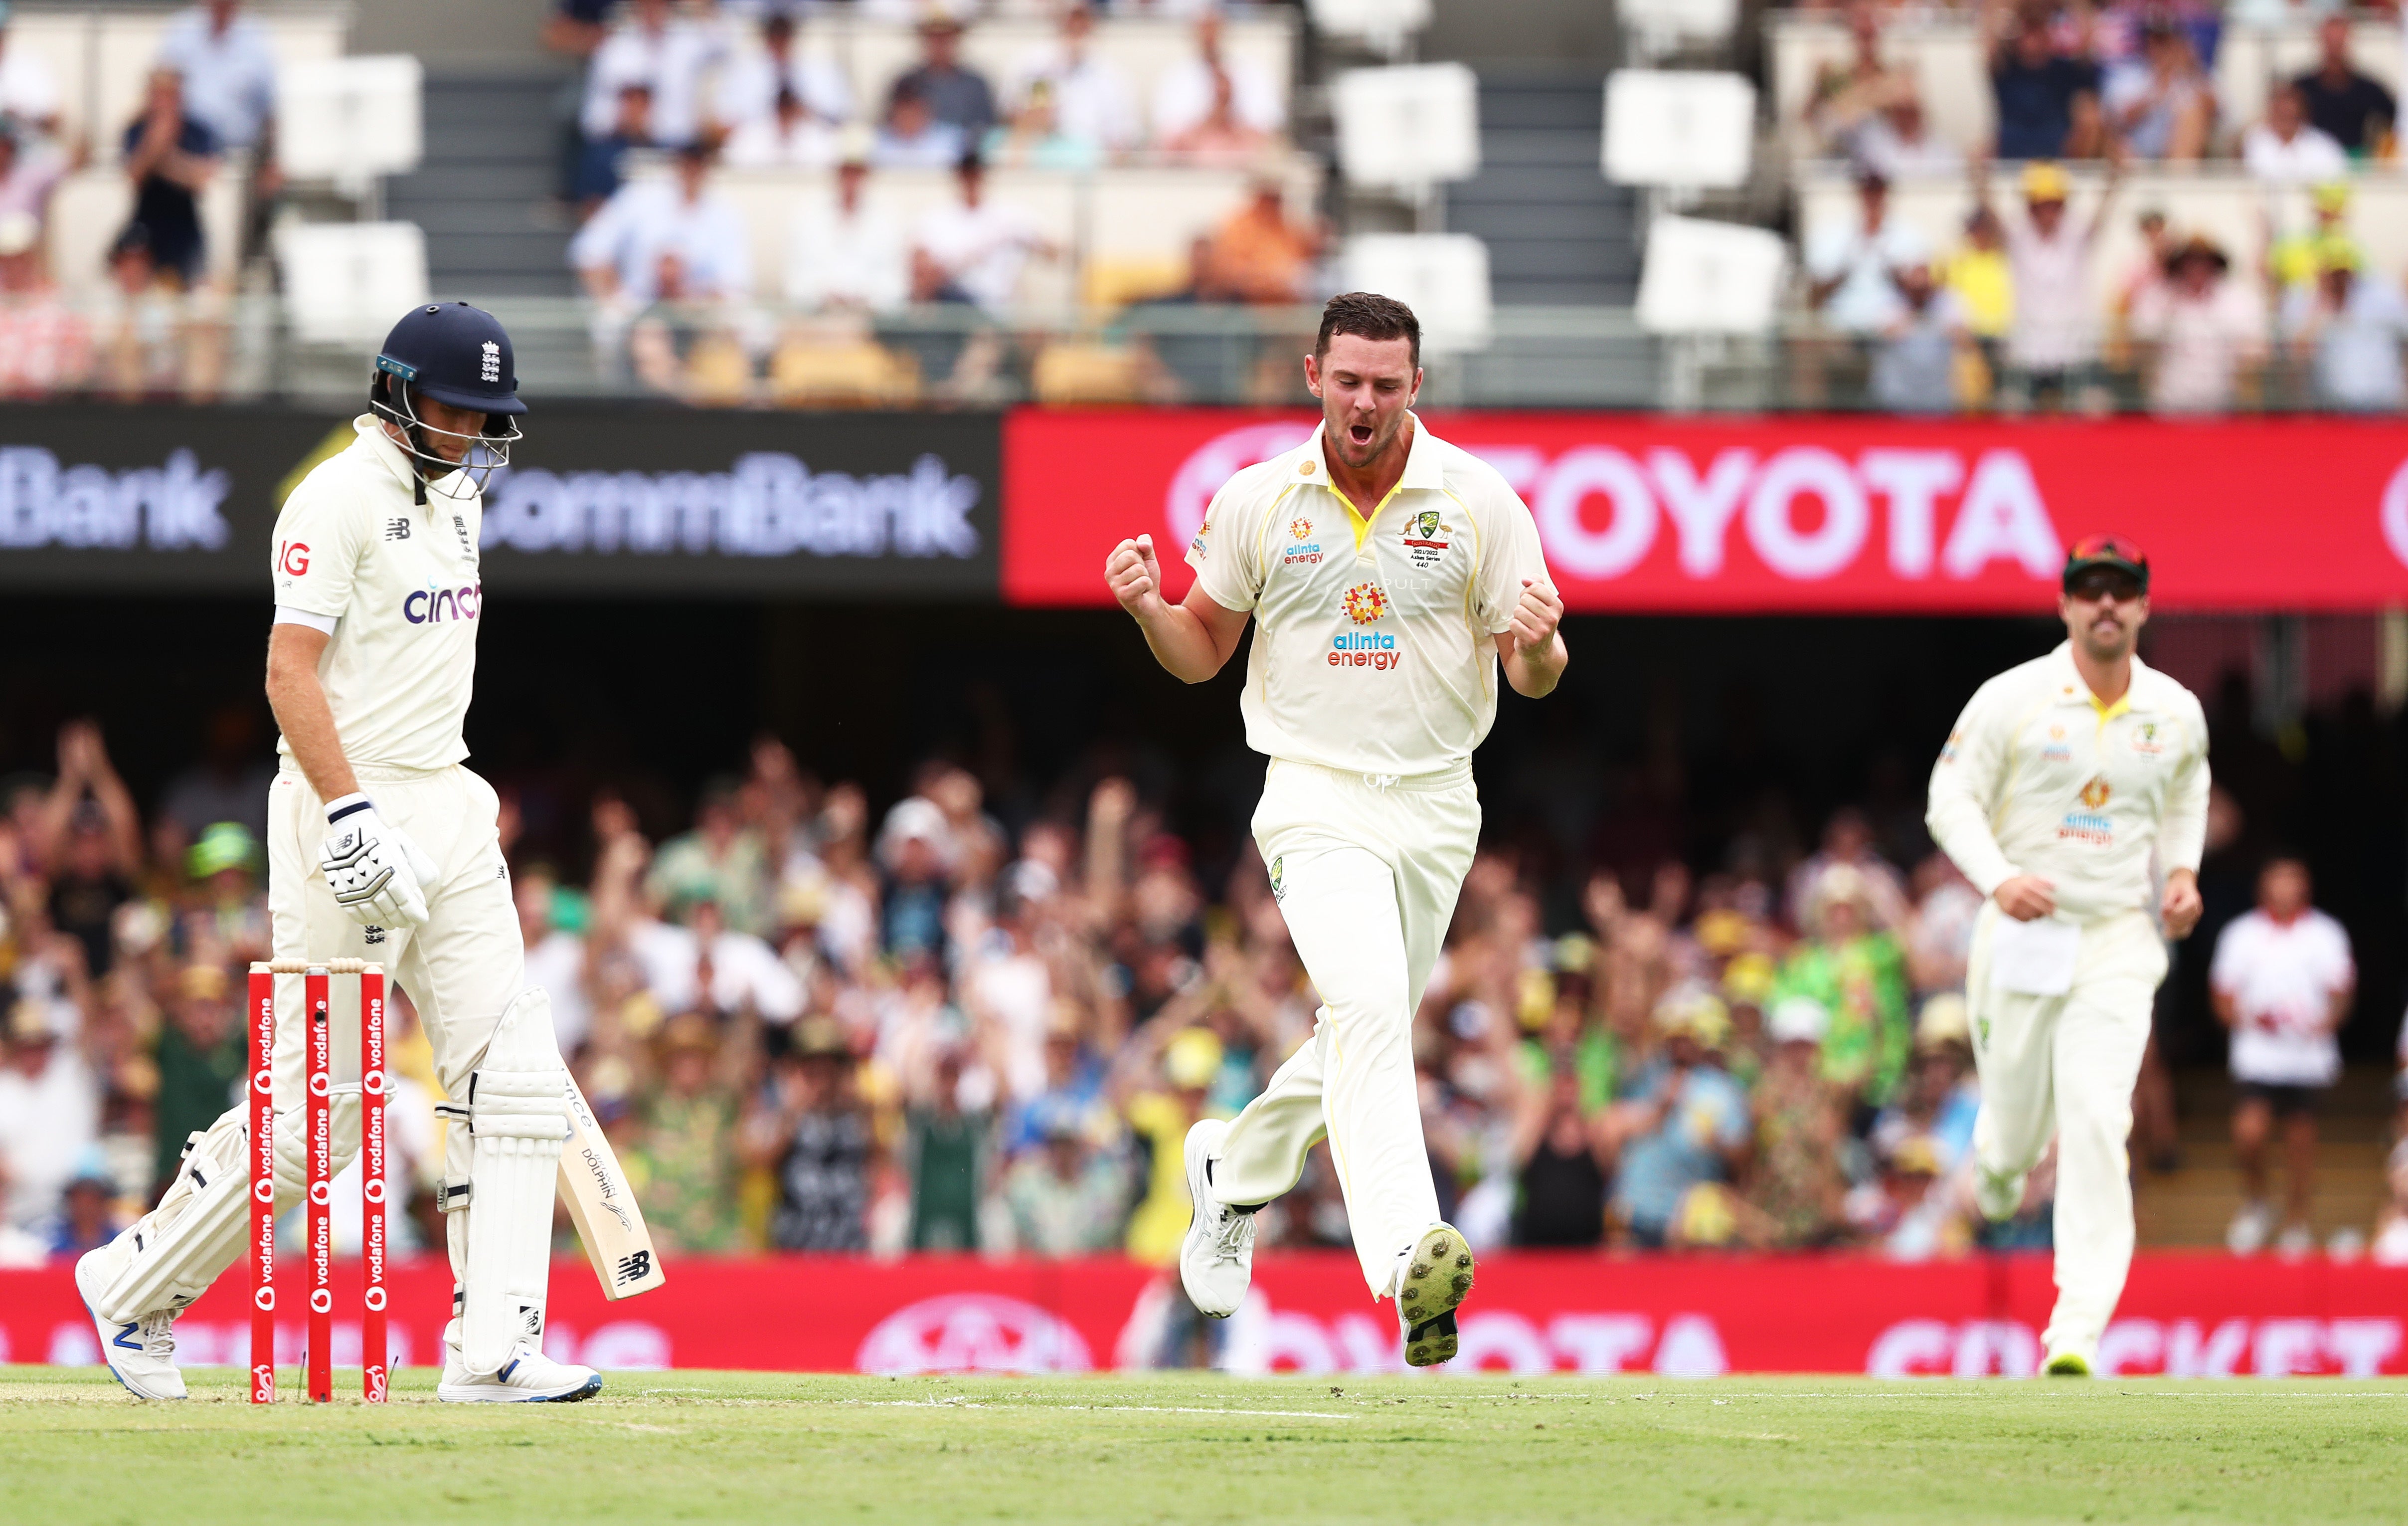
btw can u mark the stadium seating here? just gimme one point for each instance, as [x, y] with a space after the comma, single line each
[2220, 201]
[100, 56]
[1945, 56]
[1113, 219]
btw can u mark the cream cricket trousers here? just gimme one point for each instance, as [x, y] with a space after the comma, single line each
[1365, 868]
[2067, 1064]
[461, 968]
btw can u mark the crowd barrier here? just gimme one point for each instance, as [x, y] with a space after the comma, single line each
[1637, 512]
[2185, 1315]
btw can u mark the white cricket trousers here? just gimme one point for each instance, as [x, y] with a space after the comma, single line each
[1367, 869]
[2067, 1064]
[461, 968]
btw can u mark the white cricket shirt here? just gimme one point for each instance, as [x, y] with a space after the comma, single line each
[399, 579]
[1374, 644]
[2038, 778]
[2281, 978]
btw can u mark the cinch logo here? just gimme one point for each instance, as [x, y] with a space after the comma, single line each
[1364, 649]
[433, 606]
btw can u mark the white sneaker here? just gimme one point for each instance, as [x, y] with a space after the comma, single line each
[2247, 1233]
[1433, 1278]
[1216, 1259]
[141, 1352]
[2000, 1198]
[529, 1377]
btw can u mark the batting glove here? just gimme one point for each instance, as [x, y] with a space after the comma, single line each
[377, 874]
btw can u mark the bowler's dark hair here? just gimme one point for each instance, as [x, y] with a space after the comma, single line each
[1371, 316]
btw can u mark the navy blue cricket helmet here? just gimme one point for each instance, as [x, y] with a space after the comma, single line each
[456, 354]
[459, 355]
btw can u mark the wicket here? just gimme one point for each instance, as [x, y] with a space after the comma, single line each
[319, 1136]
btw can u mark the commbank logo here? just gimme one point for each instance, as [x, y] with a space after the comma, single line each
[168, 507]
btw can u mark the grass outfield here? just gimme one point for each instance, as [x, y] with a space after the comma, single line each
[690, 1445]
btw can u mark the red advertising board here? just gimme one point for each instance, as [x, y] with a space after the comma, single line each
[2201, 1316]
[1645, 513]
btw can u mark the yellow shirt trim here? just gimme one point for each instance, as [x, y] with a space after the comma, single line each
[2106, 711]
[1363, 525]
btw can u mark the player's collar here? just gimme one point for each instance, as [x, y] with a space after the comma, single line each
[389, 456]
[1422, 468]
[2073, 689]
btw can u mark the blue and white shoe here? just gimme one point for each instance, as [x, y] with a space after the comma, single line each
[141, 1352]
[529, 1377]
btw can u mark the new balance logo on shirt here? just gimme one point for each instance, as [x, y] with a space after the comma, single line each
[396, 529]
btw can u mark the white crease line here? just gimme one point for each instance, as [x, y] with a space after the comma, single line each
[1105, 1409]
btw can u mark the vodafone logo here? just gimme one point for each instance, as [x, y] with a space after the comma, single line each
[1805, 512]
[973, 1332]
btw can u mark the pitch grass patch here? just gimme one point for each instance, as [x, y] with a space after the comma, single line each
[701, 1447]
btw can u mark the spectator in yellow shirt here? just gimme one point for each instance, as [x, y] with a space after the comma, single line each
[1984, 284]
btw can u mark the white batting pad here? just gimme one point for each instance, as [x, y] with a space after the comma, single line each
[518, 1111]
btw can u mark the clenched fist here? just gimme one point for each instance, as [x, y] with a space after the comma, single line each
[1136, 577]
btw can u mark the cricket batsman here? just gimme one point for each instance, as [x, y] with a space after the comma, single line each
[1389, 575]
[2071, 786]
[381, 847]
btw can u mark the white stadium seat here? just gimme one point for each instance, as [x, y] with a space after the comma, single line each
[349, 120]
[1704, 277]
[343, 281]
[1691, 130]
[1408, 127]
[1444, 276]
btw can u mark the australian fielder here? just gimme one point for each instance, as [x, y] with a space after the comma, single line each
[1389, 576]
[2069, 785]
[381, 847]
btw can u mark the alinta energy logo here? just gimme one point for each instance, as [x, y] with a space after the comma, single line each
[1300, 551]
[1366, 602]
[2090, 824]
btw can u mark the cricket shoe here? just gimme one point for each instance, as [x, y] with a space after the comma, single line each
[1216, 1259]
[2067, 1364]
[140, 1352]
[1999, 1196]
[1433, 1278]
[529, 1377]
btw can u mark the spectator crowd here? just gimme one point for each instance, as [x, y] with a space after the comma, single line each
[680, 307]
[2022, 310]
[808, 1026]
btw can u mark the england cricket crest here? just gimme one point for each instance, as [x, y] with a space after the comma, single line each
[1427, 539]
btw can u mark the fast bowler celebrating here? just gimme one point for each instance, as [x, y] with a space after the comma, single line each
[381, 845]
[1387, 573]
[2063, 780]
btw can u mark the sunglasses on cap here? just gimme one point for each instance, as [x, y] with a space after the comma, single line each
[2096, 561]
